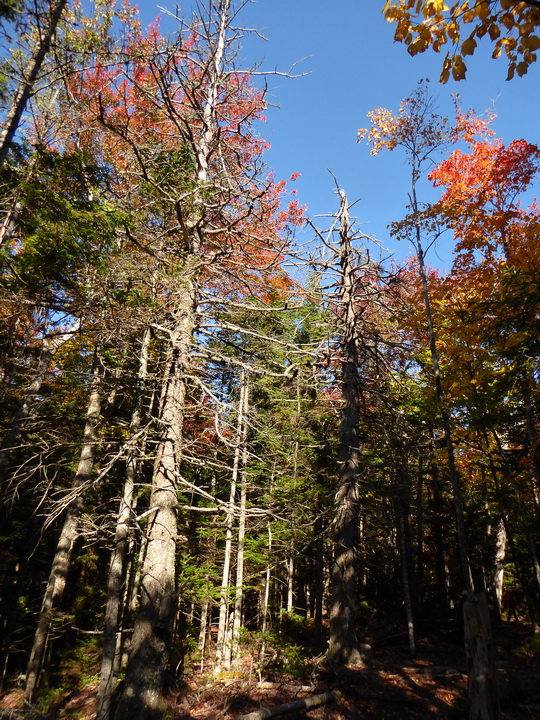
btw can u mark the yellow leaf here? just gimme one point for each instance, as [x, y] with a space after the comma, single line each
[392, 14]
[494, 31]
[419, 45]
[453, 31]
[511, 69]
[459, 69]
[482, 9]
[508, 21]
[522, 68]
[469, 46]
[531, 43]
[498, 49]
[445, 74]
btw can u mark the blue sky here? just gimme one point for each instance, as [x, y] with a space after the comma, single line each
[353, 66]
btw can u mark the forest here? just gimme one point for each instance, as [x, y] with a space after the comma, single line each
[250, 466]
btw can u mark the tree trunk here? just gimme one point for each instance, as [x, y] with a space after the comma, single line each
[438, 536]
[68, 535]
[203, 627]
[266, 597]
[142, 697]
[343, 645]
[120, 550]
[318, 603]
[445, 417]
[223, 630]
[482, 687]
[419, 601]
[402, 510]
[498, 566]
[239, 592]
[26, 85]
[527, 528]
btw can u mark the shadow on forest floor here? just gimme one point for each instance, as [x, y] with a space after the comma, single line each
[392, 686]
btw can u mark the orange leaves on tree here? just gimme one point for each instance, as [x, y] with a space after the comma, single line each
[481, 200]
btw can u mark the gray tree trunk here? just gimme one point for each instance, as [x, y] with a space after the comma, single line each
[498, 572]
[343, 645]
[142, 696]
[120, 550]
[239, 591]
[68, 535]
[223, 636]
[482, 686]
[26, 84]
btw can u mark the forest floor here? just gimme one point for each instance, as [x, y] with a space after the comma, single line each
[391, 686]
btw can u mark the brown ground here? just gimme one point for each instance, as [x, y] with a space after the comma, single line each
[393, 686]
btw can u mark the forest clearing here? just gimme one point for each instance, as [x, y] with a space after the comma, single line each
[251, 466]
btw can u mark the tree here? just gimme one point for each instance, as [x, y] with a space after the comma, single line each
[68, 535]
[354, 287]
[422, 133]
[496, 254]
[512, 26]
[51, 13]
[178, 129]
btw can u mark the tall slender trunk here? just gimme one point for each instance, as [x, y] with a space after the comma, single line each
[405, 576]
[445, 418]
[401, 484]
[68, 535]
[26, 84]
[239, 591]
[343, 645]
[223, 629]
[527, 527]
[419, 599]
[142, 697]
[482, 686]
[120, 548]
[503, 514]
[498, 564]
[437, 506]
[267, 580]
[318, 602]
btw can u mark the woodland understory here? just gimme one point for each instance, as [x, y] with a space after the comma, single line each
[240, 467]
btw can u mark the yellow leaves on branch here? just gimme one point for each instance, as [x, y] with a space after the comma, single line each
[511, 25]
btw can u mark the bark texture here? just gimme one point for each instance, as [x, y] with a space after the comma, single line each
[119, 554]
[26, 85]
[142, 696]
[68, 535]
[482, 687]
[343, 645]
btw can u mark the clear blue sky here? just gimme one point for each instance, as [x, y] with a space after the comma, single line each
[355, 66]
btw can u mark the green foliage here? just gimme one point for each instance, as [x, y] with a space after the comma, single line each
[286, 646]
[531, 646]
